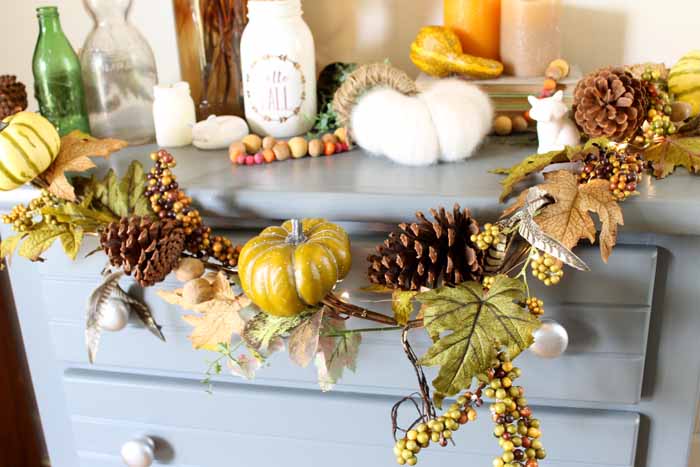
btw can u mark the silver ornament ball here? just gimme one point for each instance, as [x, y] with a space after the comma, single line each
[115, 315]
[551, 340]
[138, 452]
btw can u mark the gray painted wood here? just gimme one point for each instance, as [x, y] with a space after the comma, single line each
[314, 427]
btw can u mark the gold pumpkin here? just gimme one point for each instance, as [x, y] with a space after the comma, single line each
[29, 143]
[286, 269]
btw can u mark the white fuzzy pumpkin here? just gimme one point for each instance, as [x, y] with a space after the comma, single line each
[445, 122]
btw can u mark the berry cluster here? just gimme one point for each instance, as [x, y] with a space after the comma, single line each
[169, 202]
[622, 169]
[438, 430]
[491, 235]
[24, 218]
[517, 432]
[488, 281]
[658, 123]
[535, 306]
[546, 268]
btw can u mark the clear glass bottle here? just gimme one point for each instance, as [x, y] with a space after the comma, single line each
[58, 84]
[119, 72]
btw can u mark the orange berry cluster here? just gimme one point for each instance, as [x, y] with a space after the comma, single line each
[169, 202]
[622, 169]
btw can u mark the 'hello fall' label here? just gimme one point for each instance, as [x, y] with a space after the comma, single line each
[276, 88]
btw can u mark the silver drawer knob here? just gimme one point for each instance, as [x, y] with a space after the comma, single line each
[551, 340]
[138, 452]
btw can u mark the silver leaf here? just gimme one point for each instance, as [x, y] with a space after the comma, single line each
[142, 311]
[535, 236]
[98, 299]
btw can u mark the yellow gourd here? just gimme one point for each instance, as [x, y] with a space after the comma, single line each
[684, 80]
[286, 269]
[28, 145]
[438, 52]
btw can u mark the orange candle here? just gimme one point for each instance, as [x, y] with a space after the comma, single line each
[478, 25]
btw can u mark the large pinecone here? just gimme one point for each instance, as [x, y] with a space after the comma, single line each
[13, 96]
[143, 247]
[425, 253]
[610, 102]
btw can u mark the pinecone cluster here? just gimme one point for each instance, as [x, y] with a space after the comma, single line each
[427, 253]
[610, 102]
[145, 248]
[13, 96]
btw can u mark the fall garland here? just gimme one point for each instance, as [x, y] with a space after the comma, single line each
[468, 282]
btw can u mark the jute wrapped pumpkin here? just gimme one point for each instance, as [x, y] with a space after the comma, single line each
[28, 146]
[286, 269]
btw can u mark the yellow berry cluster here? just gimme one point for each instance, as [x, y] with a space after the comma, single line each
[546, 268]
[488, 281]
[438, 430]
[24, 218]
[535, 306]
[489, 236]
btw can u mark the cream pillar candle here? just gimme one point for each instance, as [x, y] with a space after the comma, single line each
[530, 35]
[173, 114]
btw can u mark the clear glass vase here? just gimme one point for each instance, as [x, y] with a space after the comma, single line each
[119, 72]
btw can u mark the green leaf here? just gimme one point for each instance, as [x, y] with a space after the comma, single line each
[78, 215]
[473, 326]
[40, 240]
[133, 185]
[402, 306]
[123, 197]
[263, 328]
[72, 240]
[335, 353]
[9, 245]
[674, 152]
[525, 168]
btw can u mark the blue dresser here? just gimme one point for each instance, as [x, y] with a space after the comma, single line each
[623, 395]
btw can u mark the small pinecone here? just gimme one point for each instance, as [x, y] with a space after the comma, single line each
[13, 96]
[424, 253]
[610, 102]
[143, 247]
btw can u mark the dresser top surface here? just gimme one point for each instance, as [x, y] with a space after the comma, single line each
[359, 187]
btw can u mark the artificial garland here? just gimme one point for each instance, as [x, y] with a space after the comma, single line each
[468, 281]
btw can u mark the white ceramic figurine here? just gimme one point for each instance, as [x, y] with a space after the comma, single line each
[555, 130]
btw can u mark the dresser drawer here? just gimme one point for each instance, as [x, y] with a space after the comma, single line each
[268, 426]
[606, 312]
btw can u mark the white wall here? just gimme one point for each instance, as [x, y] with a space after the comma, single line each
[596, 32]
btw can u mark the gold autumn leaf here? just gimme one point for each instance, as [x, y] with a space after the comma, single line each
[218, 320]
[74, 156]
[303, 341]
[402, 306]
[672, 153]
[568, 219]
[528, 166]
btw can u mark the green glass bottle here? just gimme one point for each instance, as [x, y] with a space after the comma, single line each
[58, 83]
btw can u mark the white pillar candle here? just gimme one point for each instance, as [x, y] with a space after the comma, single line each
[173, 115]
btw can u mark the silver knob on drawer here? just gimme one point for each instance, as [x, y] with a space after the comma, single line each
[551, 340]
[138, 452]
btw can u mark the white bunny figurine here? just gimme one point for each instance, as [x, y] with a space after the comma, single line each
[555, 130]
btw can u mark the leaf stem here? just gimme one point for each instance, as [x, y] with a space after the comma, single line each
[346, 332]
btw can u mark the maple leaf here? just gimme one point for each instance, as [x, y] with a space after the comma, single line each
[336, 353]
[218, 321]
[469, 327]
[674, 152]
[568, 219]
[303, 342]
[74, 156]
[263, 330]
[402, 305]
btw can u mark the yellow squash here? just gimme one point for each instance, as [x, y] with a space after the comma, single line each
[286, 269]
[438, 52]
[684, 80]
[28, 145]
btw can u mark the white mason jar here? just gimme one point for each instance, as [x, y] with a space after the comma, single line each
[278, 62]
[173, 114]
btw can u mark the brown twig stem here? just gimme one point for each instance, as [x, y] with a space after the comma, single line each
[335, 303]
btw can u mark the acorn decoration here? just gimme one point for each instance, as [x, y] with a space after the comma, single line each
[610, 102]
[427, 253]
[13, 96]
[147, 249]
